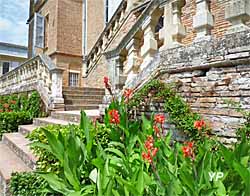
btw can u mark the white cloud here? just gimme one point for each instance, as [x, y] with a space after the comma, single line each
[13, 17]
[4, 24]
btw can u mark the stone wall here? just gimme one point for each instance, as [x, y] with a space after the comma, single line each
[206, 74]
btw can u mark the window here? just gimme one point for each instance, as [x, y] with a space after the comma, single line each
[73, 79]
[6, 67]
[39, 30]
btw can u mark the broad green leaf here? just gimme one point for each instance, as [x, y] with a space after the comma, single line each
[55, 145]
[70, 174]
[116, 152]
[56, 183]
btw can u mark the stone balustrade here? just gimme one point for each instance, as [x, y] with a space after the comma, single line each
[39, 74]
[105, 38]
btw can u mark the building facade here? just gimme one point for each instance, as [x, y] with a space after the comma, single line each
[66, 30]
[11, 56]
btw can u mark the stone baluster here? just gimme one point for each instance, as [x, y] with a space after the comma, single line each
[203, 21]
[173, 30]
[56, 88]
[131, 68]
[238, 12]
[150, 46]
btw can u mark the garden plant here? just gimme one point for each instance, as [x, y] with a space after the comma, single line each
[127, 156]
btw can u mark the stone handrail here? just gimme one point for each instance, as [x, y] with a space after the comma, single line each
[40, 74]
[108, 35]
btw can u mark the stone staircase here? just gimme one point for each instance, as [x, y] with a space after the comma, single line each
[15, 155]
[77, 98]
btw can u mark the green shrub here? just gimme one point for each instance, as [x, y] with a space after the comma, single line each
[18, 110]
[47, 162]
[179, 111]
[9, 121]
[27, 184]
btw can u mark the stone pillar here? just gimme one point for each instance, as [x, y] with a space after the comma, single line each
[56, 88]
[150, 46]
[203, 21]
[238, 12]
[131, 68]
[173, 30]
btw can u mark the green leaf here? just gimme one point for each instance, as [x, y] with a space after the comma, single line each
[55, 145]
[75, 194]
[70, 174]
[116, 152]
[56, 183]
[140, 181]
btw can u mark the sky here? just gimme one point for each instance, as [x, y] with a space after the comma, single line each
[13, 17]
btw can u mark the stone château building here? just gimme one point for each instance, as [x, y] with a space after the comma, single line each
[203, 45]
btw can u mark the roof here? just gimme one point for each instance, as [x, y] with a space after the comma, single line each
[8, 49]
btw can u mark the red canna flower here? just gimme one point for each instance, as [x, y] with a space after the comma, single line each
[114, 117]
[13, 102]
[128, 93]
[6, 105]
[188, 150]
[159, 118]
[151, 150]
[106, 81]
[156, 129]
[199, 124]
[1, 110]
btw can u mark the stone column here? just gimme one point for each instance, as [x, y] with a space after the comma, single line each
[131, 68]
[237, 12]
[173, 30]
[56, 88]
[203, 20]
[150, 46]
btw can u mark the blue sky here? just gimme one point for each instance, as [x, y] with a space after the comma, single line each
[13, 17]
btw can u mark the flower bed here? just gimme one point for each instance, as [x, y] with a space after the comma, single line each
[137, 157]
[17, 110]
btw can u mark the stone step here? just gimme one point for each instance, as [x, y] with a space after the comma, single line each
[74, 116]
[85, 93]
[84, 97]
[82, 101]
[49, 120]
[82, 107]
[26, 129]
[20, 146]
[9, 163]
[82, 89]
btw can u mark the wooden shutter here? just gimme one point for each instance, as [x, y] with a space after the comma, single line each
[39, 30]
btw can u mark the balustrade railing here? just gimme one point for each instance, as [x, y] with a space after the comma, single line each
[40, 74]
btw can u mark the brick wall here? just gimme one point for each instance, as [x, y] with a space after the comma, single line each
[217, 8]
[69, 30]
[95, 21]
[208, 73]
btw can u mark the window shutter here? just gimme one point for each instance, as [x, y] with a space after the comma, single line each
[39, 30]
